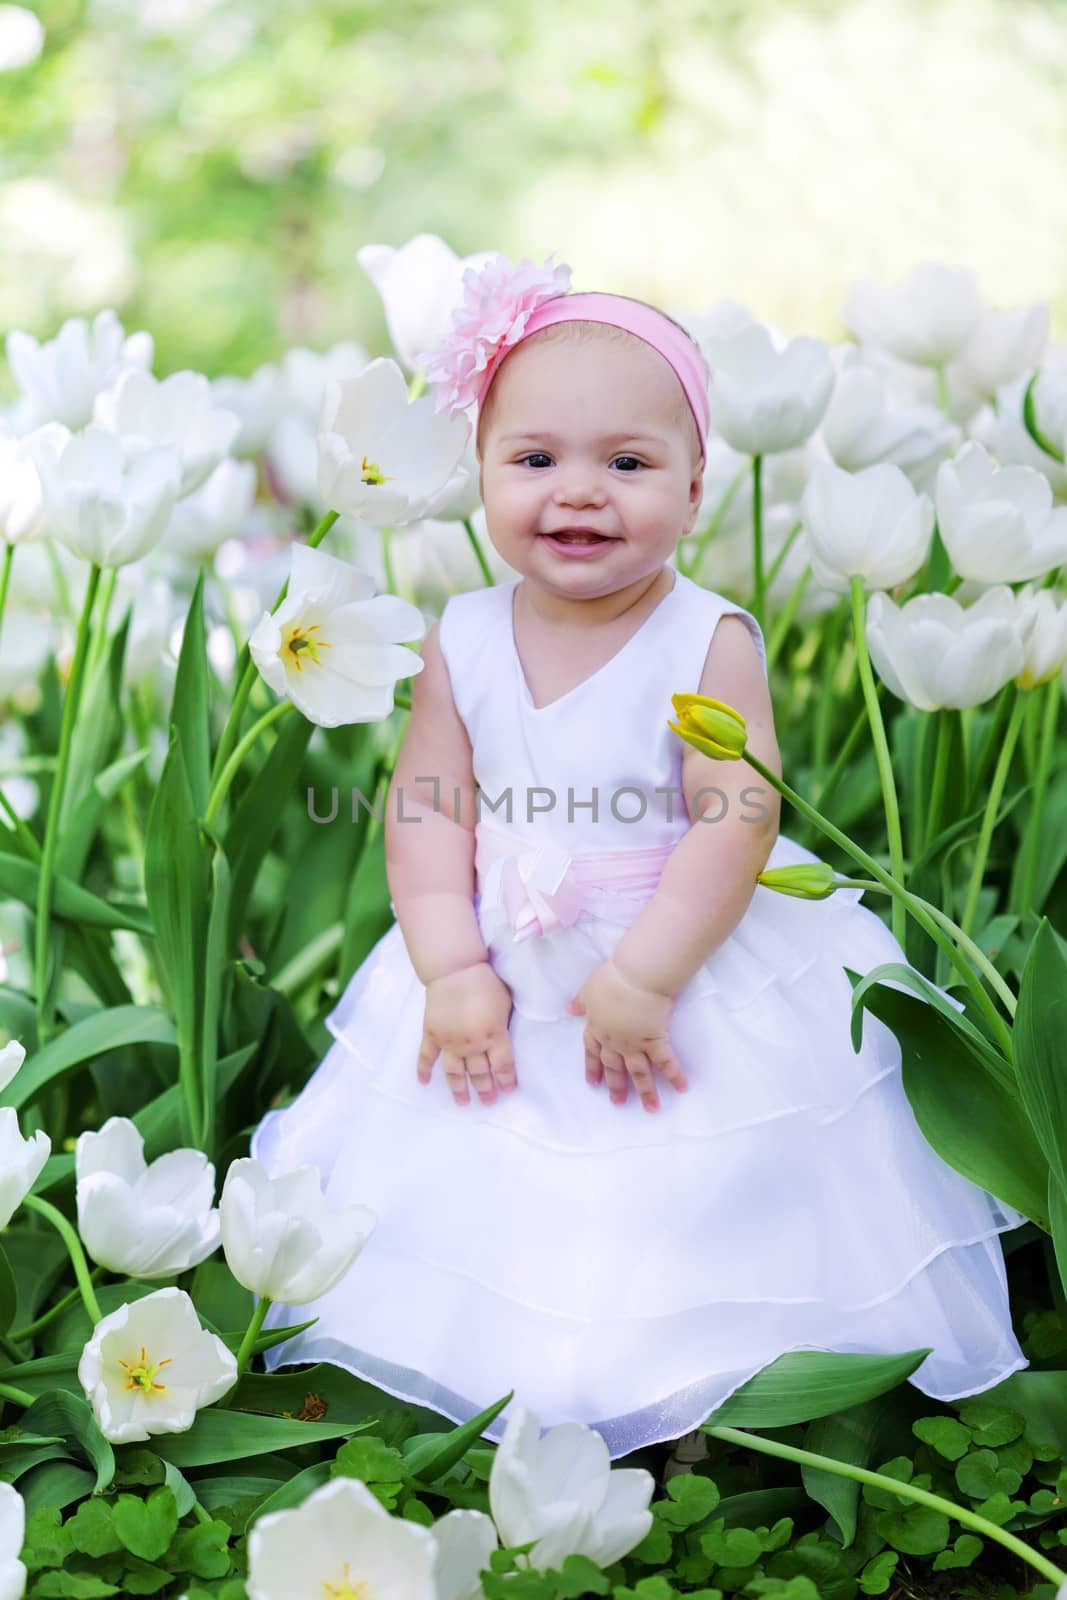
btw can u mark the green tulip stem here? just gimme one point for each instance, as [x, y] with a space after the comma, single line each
[55, 803]
[937, 782]
[229, 771]
[936, 1502]
[99, 638]
[67, 1232]
[784, 620]
[387, 559]
[942, 390]
[478, 552]
[1044, 761]
[21, 1397]
[245, 670]
[251, 1334]
[898, 891]
[758, 579]
[996, 790]
[401, 700]
[5, 577]
[954, 931]
[787, 544]
[881, 751]
[21, 1335]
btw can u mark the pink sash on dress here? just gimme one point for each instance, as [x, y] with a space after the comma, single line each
[541, 886]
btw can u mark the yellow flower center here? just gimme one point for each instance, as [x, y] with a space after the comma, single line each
[372, 473]
[299, 643]
[142, 1374]
[346, 1590]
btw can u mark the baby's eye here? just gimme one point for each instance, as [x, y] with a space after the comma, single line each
[530, 457]
[630, 458]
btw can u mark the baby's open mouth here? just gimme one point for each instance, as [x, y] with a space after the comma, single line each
[578, 538]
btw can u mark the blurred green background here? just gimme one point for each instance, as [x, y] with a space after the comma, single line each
[210, 167]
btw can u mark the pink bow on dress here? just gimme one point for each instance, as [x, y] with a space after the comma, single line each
[539, 891]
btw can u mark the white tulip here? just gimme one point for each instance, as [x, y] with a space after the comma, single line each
[150, 1367]
[12, 1536]
[927, 319]
[869, 420]
[21, 1161]
[421, 284]
[997, 523]
[1006, 435]
[11, 1058]
[61, 379]
[333, 645]
[177, 411]
[934, 653]
[108, 499]
[22, 518]
[383, 458]
[870, 524]
[1004, 345]
[147, 1221]
[340, 1541]
[465, 1540]
[281, 1238]
[1043, 617]
[562, 1491]
[217, 511]
[765, 400]
[258, 401]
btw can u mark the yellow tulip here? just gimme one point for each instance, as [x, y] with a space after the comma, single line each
[710, 726]
[808, 880]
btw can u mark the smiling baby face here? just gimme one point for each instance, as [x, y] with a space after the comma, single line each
[587, 427]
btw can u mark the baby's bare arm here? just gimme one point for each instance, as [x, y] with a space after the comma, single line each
[429, 856]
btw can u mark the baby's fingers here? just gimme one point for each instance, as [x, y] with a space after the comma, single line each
[502, 1061]
[670, 1066]
[428, 1053]
[639, 1067]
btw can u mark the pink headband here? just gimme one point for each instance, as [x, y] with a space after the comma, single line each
[504, 304]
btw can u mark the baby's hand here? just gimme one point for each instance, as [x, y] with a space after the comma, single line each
[466, 1021]
[627, 1033]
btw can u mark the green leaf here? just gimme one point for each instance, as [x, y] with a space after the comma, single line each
[895, 972]
[731, 1547]
[850, 1436]
[9, 1294]
[203, 1550]
[189, 710]
[992, 1424]
[55, 1484]
[369, 1460]
[72, 1418]
[812, 1383]
[257, 815]
[73, 1586]
[146, 1527]
[92, 1529]
[967, 1549]
[47, 1543]
[692, 1499]
[918, 1531]
[231, 1435]
[975, 1124]
[176, 876]
[296, 1490]
[947, 1436]
[18, 881]
[82, 1041]
[432, 1458]
[876, 1575]
[980, 1475]
[78, 833]
[1040, 1047]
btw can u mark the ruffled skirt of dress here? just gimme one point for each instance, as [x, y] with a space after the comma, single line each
[631, 1270]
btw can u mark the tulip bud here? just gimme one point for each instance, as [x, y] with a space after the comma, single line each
[808, 880]
[710, 726]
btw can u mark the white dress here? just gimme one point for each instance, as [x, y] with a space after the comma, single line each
[612, 1266]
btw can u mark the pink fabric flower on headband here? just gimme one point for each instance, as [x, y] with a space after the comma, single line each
[498, 301]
